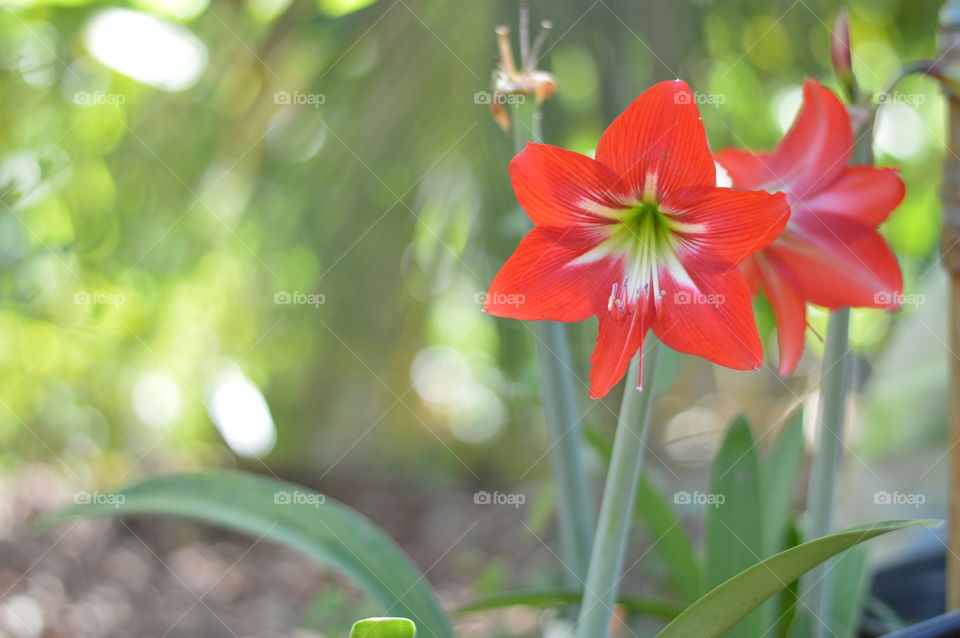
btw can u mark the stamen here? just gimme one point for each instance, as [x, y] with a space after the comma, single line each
[619, 304]
[524, 34]
[506, 51]
[531, 62]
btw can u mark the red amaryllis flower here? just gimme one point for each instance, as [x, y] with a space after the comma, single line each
[642, 238]
[830, 254]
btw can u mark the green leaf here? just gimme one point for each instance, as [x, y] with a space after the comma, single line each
[782, 607]
[721, 608]
[384, 628]
[849, 592]
[802, 625]
[780, 471]
[291, 515]
[734, 525]
[672, 542]
[546, 597]
[784, 604]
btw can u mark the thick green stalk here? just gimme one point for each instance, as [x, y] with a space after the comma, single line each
[619, 494]
[565, 437]
[821, 495]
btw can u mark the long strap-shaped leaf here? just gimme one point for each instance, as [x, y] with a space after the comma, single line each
[720, 608]
[294, 516]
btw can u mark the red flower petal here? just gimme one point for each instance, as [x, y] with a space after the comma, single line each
[746, 168]
[713, 319]
[751, 275]
[617, 341]
[789, 309]
[540, 282]
[727, 226]
[837, 262]
[659, 134]
[815, 150]
[864, 193]
[558, 187]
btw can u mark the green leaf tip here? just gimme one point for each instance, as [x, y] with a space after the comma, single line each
[384, 628]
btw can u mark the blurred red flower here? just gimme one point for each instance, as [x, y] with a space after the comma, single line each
[830, 254]
[641, 237]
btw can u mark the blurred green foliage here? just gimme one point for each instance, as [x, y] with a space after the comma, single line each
[336, 151]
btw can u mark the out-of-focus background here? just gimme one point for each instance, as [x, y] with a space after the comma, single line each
[257, 233]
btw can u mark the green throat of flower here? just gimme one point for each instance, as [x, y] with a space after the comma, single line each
[646, 239]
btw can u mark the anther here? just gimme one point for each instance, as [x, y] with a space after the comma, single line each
[613, 294]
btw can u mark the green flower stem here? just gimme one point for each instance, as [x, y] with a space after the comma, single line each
[566, 448]
[619, 494]
[817, 594]
[565, 437]
[817, 587]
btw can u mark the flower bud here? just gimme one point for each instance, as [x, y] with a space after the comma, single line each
[840, 52]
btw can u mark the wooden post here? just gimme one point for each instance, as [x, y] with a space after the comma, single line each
[950, 251]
